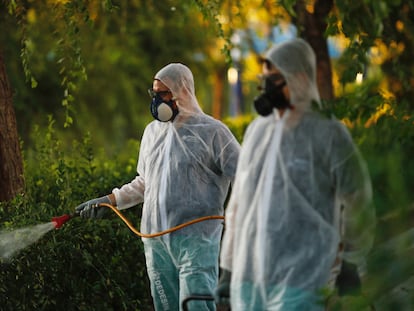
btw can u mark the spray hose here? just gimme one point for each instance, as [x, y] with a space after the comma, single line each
[153, 235]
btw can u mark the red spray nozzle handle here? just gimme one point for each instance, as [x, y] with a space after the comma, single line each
[60, 220]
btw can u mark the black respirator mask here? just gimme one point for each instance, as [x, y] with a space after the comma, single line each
[162, 110]
[272, 96]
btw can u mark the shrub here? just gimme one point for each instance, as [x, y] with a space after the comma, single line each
[87, 264]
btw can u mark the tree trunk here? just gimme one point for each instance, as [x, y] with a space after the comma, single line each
[311, 23]
[11, 163]
[218, 93]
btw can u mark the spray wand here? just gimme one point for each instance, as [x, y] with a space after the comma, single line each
[60, 220]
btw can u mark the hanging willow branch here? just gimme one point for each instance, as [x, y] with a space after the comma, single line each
[210, 10]
[66, 19]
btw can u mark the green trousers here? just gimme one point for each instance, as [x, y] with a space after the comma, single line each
[180, 266]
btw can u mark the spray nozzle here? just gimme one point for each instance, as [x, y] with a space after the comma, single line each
[60, 220]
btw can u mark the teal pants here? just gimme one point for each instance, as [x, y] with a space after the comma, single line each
[180, 266]
[249, 297]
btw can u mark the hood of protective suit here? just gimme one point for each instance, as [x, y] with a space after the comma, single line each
[179, 79]
[185, 167]
[296, 61]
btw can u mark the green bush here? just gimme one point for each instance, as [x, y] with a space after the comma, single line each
[86, 264]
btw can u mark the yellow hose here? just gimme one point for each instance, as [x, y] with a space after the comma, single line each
[153, 235]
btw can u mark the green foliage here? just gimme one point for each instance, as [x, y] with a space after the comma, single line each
[98, 59]
[349, 303]
[288, 5]
[211, 11]
[387, 142]
[82, 266]
[86, 264]
[65, 21]
[238, 125]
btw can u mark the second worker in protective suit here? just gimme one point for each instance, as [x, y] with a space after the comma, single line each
[187, 161]
[301, 201]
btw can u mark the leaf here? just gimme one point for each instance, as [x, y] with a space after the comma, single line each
[33, 82]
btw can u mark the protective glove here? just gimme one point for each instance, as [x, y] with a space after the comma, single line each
[89, 209]
[348, 281]
[222, 292]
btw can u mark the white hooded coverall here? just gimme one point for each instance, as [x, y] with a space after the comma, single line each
[185, 168]
[301, 189]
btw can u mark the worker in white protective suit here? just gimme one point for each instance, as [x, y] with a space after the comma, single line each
[187, 161]
[301, 202]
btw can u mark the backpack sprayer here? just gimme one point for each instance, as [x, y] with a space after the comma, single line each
[61, 220]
